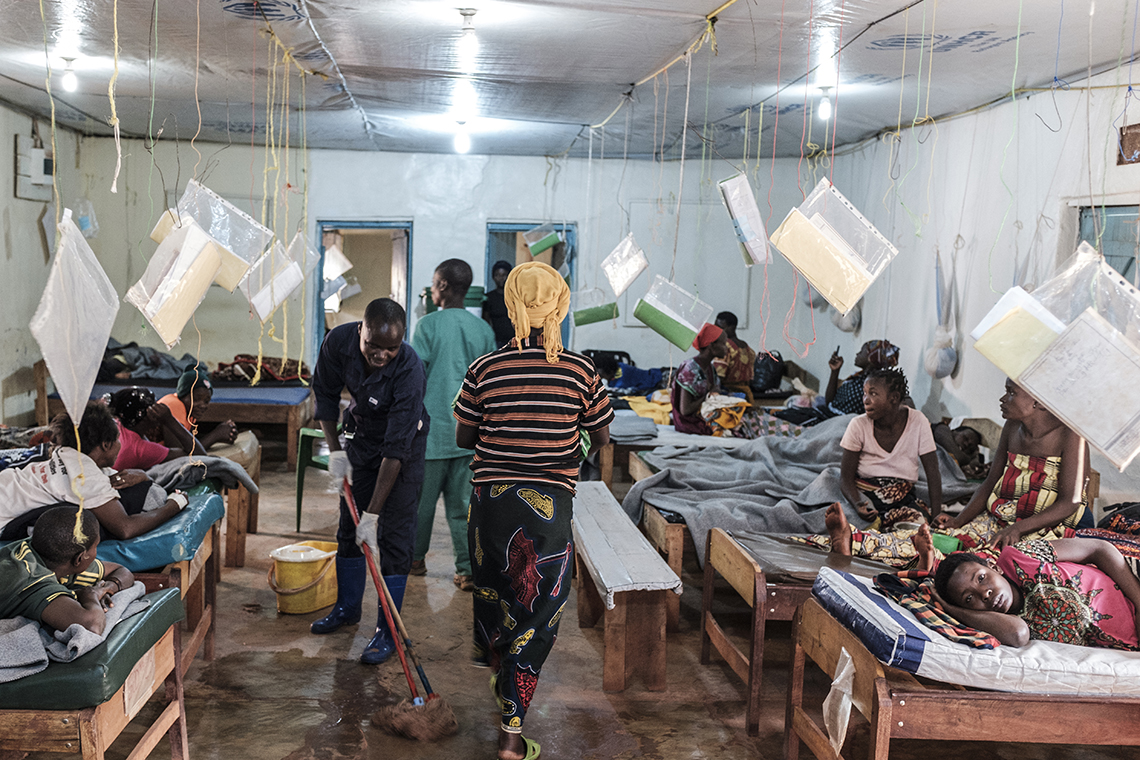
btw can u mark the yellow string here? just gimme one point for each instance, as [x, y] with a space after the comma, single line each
[114, 121]
[51, 100]
[197, 68]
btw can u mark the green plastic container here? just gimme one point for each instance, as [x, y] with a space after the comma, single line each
[596, 314]
[541, 238]
[680, 335]
[945, 543]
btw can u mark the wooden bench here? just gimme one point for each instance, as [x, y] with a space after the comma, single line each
[623, 578]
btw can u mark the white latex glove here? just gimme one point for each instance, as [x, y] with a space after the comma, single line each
[340, 468]
[366, 533]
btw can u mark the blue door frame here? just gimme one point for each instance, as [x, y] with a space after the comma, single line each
[323, 225]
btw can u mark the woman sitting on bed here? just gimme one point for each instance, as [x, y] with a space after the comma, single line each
[882, 449]
[696, 381]
[148, 433]
[1073, 590]
[190, 400]
[71, 477]
[1035, 489]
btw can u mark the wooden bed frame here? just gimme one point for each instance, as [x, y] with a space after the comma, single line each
[294, 417]
[900, 706]
[197, 577]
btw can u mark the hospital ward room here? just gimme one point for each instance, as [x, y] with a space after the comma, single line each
[600, 379]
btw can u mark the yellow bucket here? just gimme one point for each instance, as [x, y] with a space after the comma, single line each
[304, 576]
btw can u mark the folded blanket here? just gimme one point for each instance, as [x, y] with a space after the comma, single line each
[627, 429]
[22, 653]
[26, 646]
[186, 472]
[914, 591]
[65, 646]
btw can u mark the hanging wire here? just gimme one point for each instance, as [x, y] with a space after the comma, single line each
[1057, 82]
[1005, 150]
[681, 181]
[807, 90]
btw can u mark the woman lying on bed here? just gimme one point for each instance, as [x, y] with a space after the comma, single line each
[1035, 489]
[1073, 590]
[71, 477]
[696, 382]
[148, 433]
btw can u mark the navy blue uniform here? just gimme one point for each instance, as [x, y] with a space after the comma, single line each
[386, 419]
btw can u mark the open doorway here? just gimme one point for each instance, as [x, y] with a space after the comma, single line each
[361, 261]
[505, 243]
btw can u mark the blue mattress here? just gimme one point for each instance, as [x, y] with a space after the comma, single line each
[174, 541]
[896, 638]
[254, 394]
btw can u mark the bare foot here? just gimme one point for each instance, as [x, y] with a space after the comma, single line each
[511, 746]
[838, 529]
[924, 546]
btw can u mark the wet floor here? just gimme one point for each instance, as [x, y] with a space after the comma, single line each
[275, 691]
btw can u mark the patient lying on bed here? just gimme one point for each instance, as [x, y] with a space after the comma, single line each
[1073, 591]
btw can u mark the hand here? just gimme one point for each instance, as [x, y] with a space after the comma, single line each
[366, 533]
[339, 467]
[866, 511]
[105, 590]
[127, 478]
[835, 363]
[158, 414]
[1007, 536]
[974, 471]
[228, 431]
[943, 520]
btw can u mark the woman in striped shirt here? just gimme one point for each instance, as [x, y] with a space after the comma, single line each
[521, 409]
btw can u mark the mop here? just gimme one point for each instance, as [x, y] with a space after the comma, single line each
[424, 719]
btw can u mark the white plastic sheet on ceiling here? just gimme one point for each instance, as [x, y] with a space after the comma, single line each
[545, 68]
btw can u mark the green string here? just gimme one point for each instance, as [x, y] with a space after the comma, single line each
[1005, 151]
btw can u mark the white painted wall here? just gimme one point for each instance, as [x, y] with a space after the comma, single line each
[24, 260]
[951, 196]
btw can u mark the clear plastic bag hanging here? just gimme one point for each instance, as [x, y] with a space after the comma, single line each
[834, 246]
[624, 264]
[176, 280]
[240, 238]
[746, 219]
[672, 312]
[74, 318]
[277, 274]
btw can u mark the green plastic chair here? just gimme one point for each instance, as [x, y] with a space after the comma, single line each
[306, 459]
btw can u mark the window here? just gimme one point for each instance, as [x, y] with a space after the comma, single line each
[1119, 228]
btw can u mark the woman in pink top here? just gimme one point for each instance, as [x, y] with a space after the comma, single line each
[882, 449]
[143, 423]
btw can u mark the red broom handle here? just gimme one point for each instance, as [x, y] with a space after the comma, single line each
[380, 590]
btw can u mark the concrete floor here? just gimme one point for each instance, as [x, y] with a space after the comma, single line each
[276, 691]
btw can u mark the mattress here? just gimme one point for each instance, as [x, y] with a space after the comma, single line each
[897, 639]
[250, 394]
[173, 541]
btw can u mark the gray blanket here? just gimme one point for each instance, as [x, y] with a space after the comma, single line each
[769, 485]
[628, 430]
[186, 472]
[26, 646]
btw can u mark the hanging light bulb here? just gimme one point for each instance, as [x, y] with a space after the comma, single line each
[467, 48]
[69, 81]
[464, 101]
[824, 109]
[462, 142]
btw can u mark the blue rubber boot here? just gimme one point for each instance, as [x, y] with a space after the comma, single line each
[382, 646]
[349, 594]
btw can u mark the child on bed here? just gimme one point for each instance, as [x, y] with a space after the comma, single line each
[1072, 590]
[55, 580]
[882, 449]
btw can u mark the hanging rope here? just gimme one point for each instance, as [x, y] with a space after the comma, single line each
[114, 121]
[681, 182]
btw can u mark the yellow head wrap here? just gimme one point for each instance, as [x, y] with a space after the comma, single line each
[537, 296]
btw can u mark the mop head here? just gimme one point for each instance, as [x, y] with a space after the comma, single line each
[427, 722]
